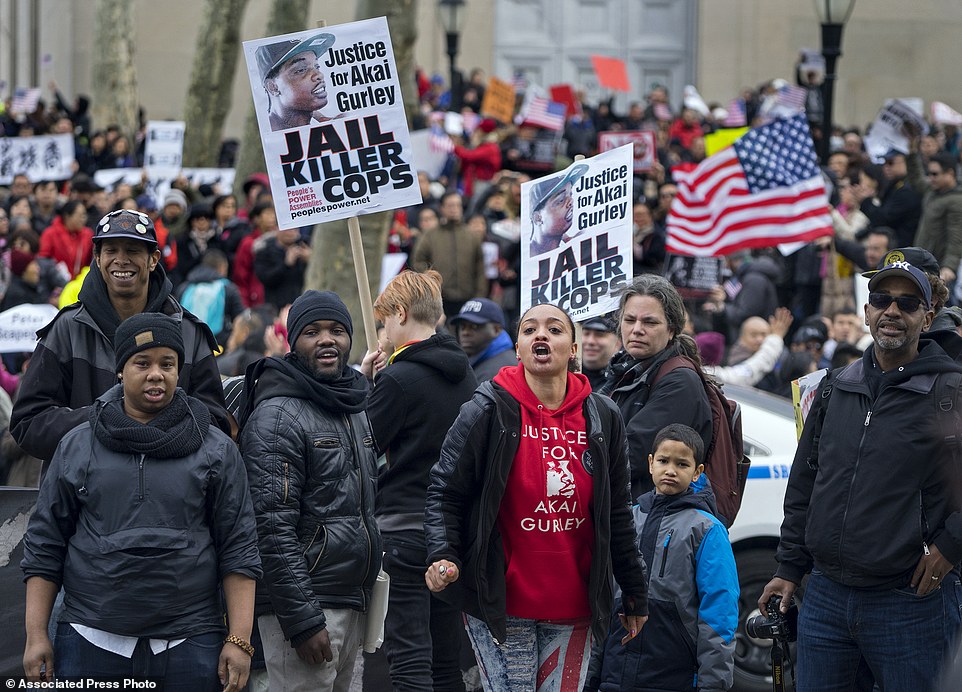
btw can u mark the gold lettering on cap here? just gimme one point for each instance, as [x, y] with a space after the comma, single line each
[144, 338]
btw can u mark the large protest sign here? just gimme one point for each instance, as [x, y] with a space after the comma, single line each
[694, 277]
[642, 143]
[498, 102]
[164, 145]
[157, 186]
[887, 133]
[46, 157]
[576, 235]
[19, 325]
[332, 122]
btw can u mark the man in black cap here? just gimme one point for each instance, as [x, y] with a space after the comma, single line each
[74, 362]
[552, 210]
[292, 78]
[599, 342]
[897, 205]
[312, 469]
[480, 328]
[872, 507]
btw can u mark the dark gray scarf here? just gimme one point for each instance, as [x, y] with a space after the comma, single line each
[176, 432]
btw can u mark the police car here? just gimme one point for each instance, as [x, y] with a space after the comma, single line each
[768, 428]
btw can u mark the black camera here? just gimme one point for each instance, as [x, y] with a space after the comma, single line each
[781, 627]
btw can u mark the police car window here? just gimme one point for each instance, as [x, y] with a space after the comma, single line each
[755, 449]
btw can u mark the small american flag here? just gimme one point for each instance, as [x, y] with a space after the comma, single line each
[662, 112]
[764, 190]
[25, 100]
[519, 82]
[791, 97]
[736, 114]
[439, 141]
[544, 113]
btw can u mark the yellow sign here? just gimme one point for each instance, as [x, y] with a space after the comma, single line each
[498, 100]
[719, 139]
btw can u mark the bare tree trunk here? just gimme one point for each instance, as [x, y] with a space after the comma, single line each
[114, 77]
[331, 266]
[212, 80]
[287, 16]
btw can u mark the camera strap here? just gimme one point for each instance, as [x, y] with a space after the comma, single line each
[780, 655]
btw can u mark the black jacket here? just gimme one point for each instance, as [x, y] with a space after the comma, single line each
[312, 480]
[74, 363]
[141, 544]
[282, 284]
[882, 481]
[414, 402]
[464, 499]
[899, 208]
[758, 295]
[679, 397]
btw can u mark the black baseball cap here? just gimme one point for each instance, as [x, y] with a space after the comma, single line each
[273, 55]
[125, 223]
[918, 257]
[599, 324]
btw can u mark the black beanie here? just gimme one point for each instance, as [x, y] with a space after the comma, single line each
[312, 306]
[147, 330]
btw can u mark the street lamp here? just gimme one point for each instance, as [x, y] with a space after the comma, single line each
[451, 13]
[832, 14]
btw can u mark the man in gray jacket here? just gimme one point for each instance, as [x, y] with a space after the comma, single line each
[940, 228]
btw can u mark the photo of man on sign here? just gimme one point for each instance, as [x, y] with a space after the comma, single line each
[552, 210]
[291, 74]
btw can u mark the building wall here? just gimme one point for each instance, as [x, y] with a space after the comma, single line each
[890, 48]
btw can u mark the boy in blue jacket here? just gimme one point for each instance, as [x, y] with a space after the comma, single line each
[688, 642]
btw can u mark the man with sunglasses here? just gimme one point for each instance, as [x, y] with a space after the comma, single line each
[872, 508]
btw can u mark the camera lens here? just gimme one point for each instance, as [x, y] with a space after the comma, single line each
[759, 627]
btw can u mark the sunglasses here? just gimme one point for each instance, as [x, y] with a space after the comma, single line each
[881, 301]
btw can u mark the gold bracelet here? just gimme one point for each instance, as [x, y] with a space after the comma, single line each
[237, 641]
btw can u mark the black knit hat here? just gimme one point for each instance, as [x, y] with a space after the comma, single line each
[147, 330]
[312, 306]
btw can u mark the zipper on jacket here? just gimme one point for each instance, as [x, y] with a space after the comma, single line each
[286, 481]
[868, 418]
[664, 554]
[141, 473]
[851, 487]
[483, 535]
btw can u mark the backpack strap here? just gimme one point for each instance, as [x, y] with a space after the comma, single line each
[947, 411]
[826, 387]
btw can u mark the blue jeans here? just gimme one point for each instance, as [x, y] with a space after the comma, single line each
[538, 655]
[902, 639]
[422, 634]
[189, 666]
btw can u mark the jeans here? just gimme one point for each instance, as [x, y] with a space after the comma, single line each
[537, 655]
[848, 636]
[287, 672]
[422, 634]
[188, 667]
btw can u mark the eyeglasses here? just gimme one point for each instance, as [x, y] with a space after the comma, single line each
[881, 301]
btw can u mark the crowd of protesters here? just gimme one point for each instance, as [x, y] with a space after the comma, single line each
[220, 255]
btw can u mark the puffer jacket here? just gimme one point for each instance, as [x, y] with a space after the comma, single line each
[312, 477]
[74, 363]
[880, 483]
[141, 544]
[678, 397]
[464, 499]
[689, 639]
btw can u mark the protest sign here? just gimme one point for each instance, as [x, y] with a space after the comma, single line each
[694, 277]
[430, 159]
[332, 122]
[943, 114]
[803, 396]
[576, 235]
[719, 139]
[812, 63]
[611, 72]
[886, 132]
[642, 143]
[157, 187]
[565, 93]
[46, 157]
[498, 102]
[19, 325]
[164, 146]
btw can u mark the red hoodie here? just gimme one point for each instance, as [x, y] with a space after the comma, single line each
[546, 512]
[75, 250]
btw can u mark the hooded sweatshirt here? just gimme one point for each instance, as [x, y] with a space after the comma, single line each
[545, 518]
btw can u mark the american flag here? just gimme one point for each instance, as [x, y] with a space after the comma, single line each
[736, 114]
[544, 113]
[662, 112]
[519, 82]
[25, 100]
[439, 141]
[792, 97]
[764, 190]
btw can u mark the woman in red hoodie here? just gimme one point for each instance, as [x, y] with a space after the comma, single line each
[67, 240]
[528, 515]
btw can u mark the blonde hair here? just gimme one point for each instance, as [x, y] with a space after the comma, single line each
[418, 293]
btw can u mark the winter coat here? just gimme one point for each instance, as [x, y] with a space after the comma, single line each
[455, 252]
[282, 283]
[312, 480]
[74, 363]
[141, 544]
[757, 297]
[464, 498]
[881, 483]
[688, 642]
[75, 250]
[940, 228]
[414, 402]
[898, 208]
[678, 397]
